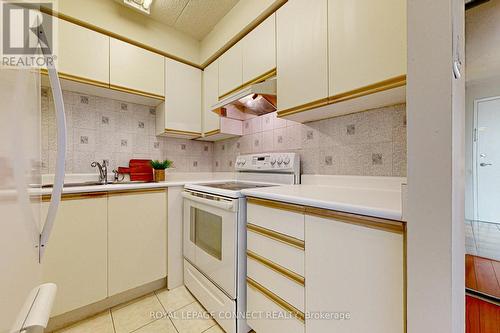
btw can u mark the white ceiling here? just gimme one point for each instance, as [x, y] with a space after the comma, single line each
[193, 17]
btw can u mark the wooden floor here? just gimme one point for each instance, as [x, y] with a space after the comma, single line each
[481, 316]
[482, 275]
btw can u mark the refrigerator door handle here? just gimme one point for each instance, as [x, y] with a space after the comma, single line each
[55, 199]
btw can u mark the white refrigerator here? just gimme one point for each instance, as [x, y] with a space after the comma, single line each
[25, 303]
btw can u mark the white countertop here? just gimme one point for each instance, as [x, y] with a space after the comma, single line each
[382, 203]
[173, 179]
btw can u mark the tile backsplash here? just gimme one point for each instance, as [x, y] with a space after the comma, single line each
[102, 128]
[370, 143]
[367, 143]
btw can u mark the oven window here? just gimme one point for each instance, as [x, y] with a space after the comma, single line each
[206, 232]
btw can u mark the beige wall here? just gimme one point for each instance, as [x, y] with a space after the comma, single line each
[435, 108]
[119, 19]
[238, 19]
[483, 41]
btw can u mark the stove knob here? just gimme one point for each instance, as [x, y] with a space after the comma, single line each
[280, 160]
[287, 160]
[273, 161]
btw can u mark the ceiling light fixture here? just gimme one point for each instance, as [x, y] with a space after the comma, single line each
[143, 6]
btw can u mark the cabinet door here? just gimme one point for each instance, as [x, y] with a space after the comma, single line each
[137, 239]
[302, 53]
[367, 42]
[134, 68]
[210, 97]
[355, 269]
[230, 69]
[83, 52]
[259, 50]
[183, 97]
[76, 256]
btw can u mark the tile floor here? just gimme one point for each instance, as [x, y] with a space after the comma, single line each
[174, 311]
[482, 239]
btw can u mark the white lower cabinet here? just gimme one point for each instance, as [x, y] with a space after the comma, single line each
[76, 256]
[267, 316]
[103, 244]
[137, 239]
[275, 267]
[314, 270]
[356, 270]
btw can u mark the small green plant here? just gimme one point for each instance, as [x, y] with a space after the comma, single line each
[161, 165]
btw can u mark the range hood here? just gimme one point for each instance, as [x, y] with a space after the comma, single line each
[256, 99]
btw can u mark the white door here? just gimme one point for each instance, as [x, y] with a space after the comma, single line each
[488, 160]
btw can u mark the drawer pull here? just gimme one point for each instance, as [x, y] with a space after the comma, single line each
[277, 236]
[276, 299]
[277, 268]
[276, 205]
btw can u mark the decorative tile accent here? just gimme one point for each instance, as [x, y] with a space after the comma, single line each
[84, 140]
[152, 111]
[140, 124]
[351, 129]
[84, 100]
[124, 106]
[377, 159]
[328, 160]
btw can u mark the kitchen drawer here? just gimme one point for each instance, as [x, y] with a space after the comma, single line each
[270, 313]
[211, 297]
[287, 285]
[283, 254]
[284, 218]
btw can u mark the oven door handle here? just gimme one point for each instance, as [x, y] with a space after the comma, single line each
[226, 205]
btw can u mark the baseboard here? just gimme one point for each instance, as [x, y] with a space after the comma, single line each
[71, 317]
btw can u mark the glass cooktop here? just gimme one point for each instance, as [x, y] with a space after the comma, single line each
[235, 186]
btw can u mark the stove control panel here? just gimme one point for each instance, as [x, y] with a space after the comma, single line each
[277, 162]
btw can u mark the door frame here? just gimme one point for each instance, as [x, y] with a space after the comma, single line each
[475, 159]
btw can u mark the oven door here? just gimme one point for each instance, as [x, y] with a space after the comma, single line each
[210, 237]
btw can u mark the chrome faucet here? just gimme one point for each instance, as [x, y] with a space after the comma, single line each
[103, 170]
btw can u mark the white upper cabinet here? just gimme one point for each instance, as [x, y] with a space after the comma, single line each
[210, 97]
[230, 69]
[180, 114]
[259, 50]
[367, 42]
[302, 53]
[83, 53]
[135, 68]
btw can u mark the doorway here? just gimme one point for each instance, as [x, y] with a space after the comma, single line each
[486, 162]
[483, 230]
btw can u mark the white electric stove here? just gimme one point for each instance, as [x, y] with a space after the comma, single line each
[214, 238]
